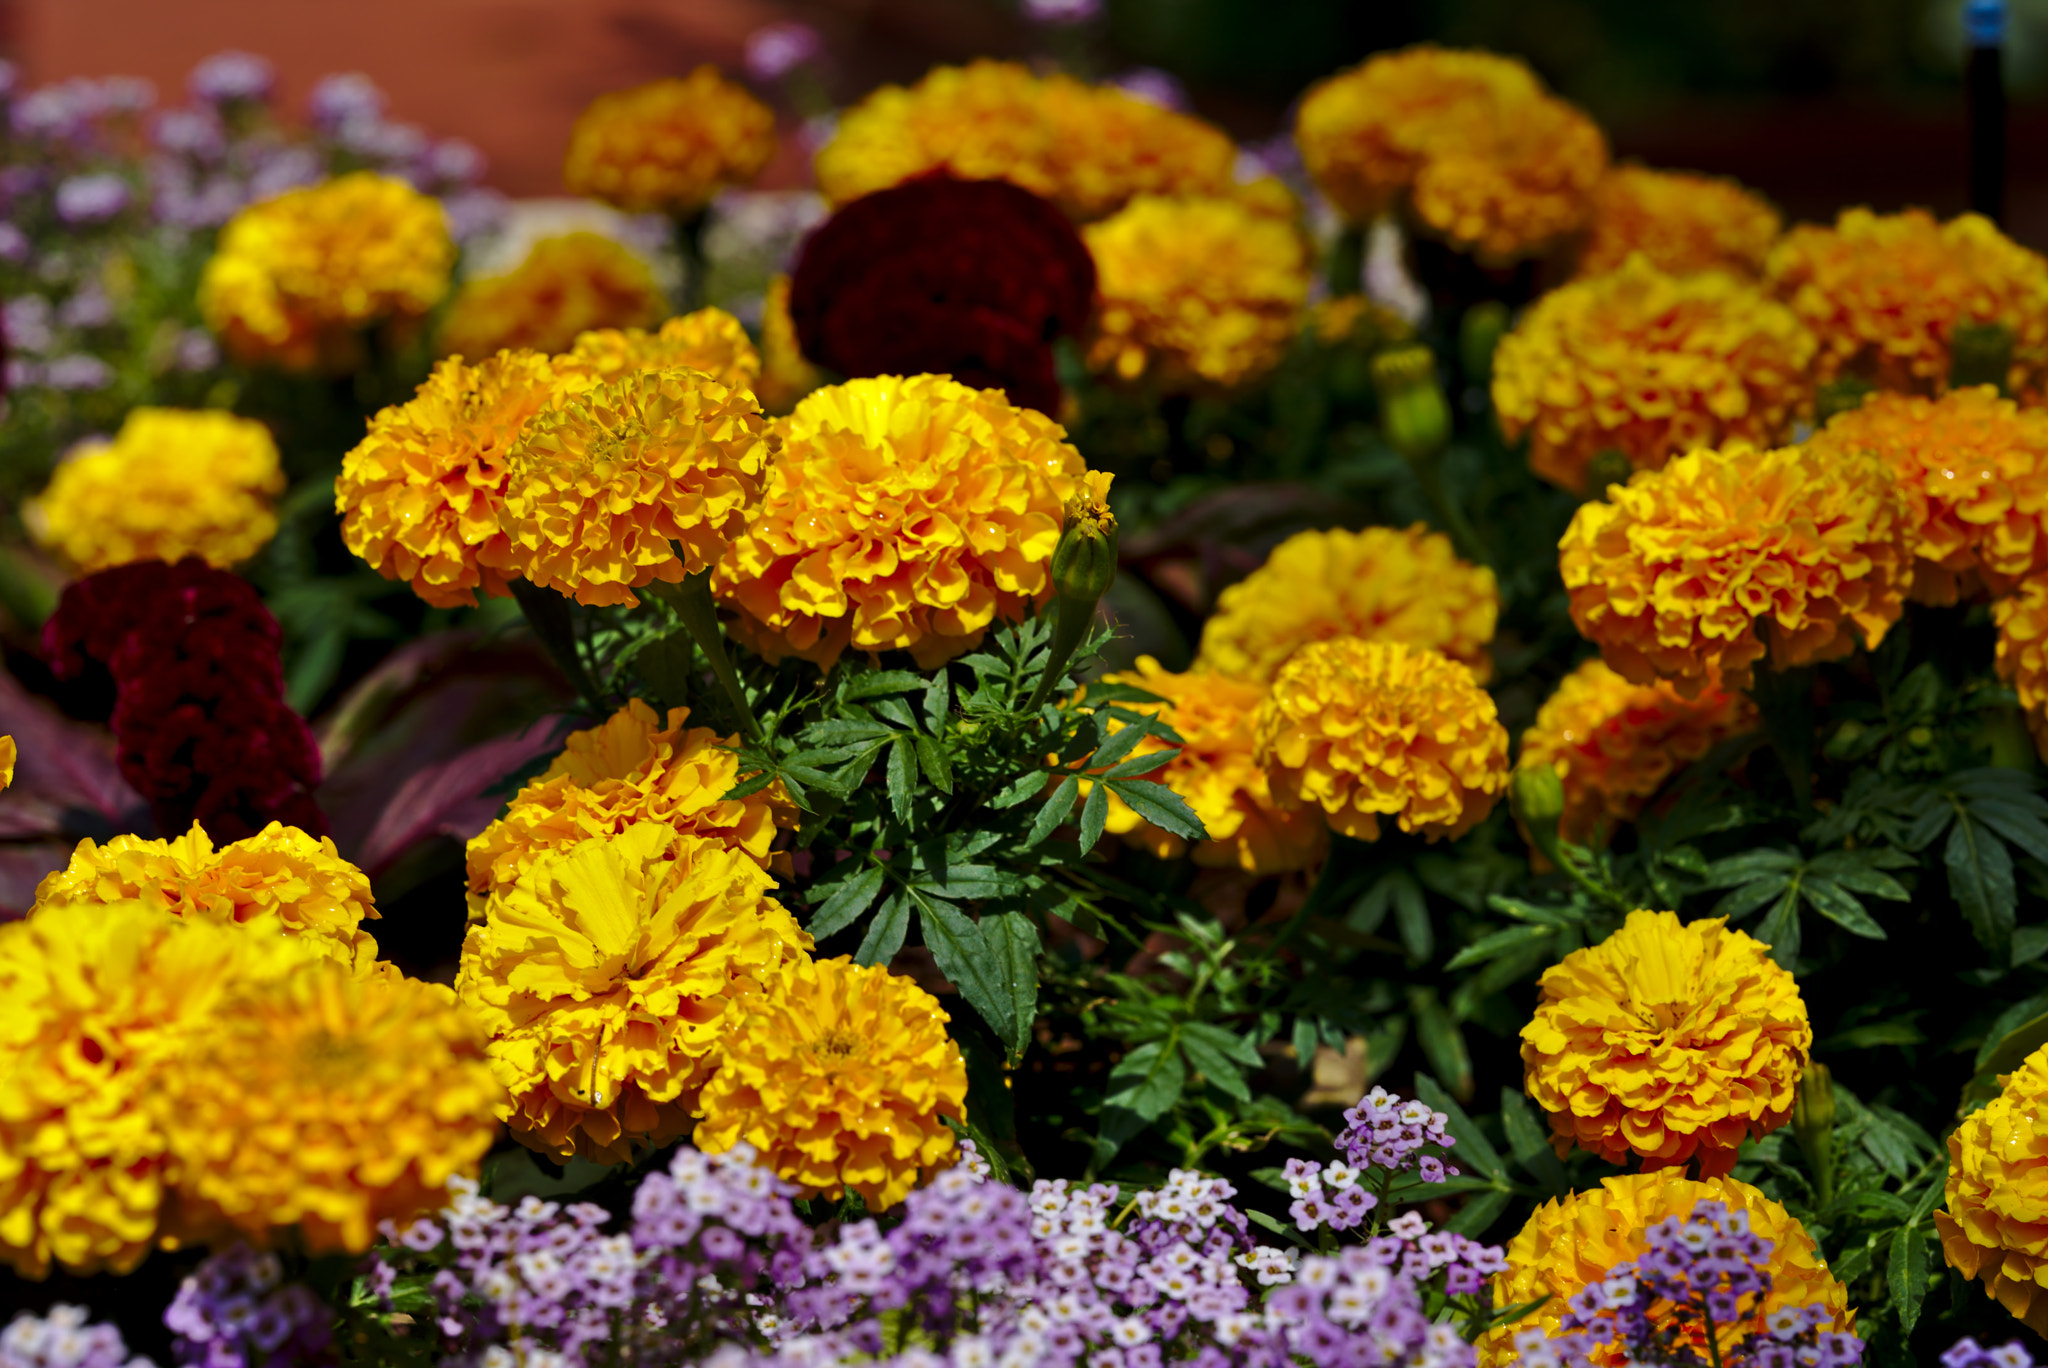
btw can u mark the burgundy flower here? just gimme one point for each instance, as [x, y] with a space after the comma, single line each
[973, 279]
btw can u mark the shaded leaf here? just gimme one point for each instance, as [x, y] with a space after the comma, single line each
[1980, 877]
[1055, 810]
[1906, 1274]
[963, 956]
[902, 778]
[1094, 813]
[853, 896]
[885, 932]
[1160, 806]
[1013, 947]
[1501, 943]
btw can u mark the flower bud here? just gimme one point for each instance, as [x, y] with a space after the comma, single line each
[1979, 354]
[1414, 417]
[1536, 798]
[1084, 562]
[1479, 332]
[1813, 1125]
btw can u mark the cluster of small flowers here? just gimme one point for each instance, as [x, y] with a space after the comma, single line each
[63, 1339]
[236, 1311]
[1381, 1133]
[1967, 1353]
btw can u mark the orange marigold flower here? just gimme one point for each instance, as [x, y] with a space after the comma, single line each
[709, 340]
[1383, 584]
[841, 1077]
[567, 285]
[900, 514]
[1885, 292]
[1995, 1226]
[1365, 729]
[7, 758]
[631, 769]
[1474, 147]
[639, 479]
[1675, 574]
[1089, 149]
[1649, 365]
[1681, 221]
[1572, 1241]
[786, 377]
[1614, 743]
[2022, 618]
[1216, 770]
[1668, 1039]
[670, 145]
[420, 495]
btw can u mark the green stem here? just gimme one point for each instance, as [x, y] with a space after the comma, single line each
[689, 240]
[1463, 536]
[1070, 624]
[549, 615]
[1784, 699]
[692, 602]
[1346, 270]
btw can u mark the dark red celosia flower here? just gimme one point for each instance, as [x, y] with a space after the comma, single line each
[972, 279]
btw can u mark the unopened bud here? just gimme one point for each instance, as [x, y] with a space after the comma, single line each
[1979, 354]
[1084, 562]
[1414, 417]
[1536, 798]
[1479, 332]
[1813, 1125]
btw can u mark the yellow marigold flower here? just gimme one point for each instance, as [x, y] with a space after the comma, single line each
[1669, 1040]
[1649, 365]
[1194, 292]
[2022, 618]
[639, 479]
[1685, 571]
[900, 514]
[1972, 472]
[567, 285]
[709, 340]
[1572, 1241]
[841, 1077]
[1680, 221]
[173, 483]
[7, 758]
[330, 1103]
[1357, 318]
[608, 977]
[1383, 584]
[297, 278]
[1470, 142]
[1995, 1226]
[1884, 293]
[670, 145]
[1217, 771]
[1614, 743]
[97, 1003]
[1088, 149]
[786, 376]
[631, 769]
[281, 880]
[1365, 729]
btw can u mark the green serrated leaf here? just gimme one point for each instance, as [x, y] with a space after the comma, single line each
[963, 956]
[853, 896]
[1501, 943]
[1214, 1066]
[1118, 746]
[1094, 813]
[1013, 947]
[1523, 911]
[1473, 1146]
[880, 682]
[1740, 902]
[931, 758]
[1141, 764]
[1906, 1275]
[836, 732]
[1055, 810]
[1980, 878]
[1529, 1142]
[1411, 915]
[1148, 1080]
[1750, 866]
[938, 703]
[1780, 930]
[1160, 806]
[1841, 907]
[1443, 1043]
[1225, 1042]
[902, 778]
[885, 932]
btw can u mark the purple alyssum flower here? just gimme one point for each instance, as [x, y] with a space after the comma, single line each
[64, 1338]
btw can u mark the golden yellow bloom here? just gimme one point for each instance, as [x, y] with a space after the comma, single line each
[631, 769]
[297, 278]
[330, 1103]
[2022, 618]
[1470, 143]
[1681, 221]
[1668, 1040]
[7, 758]
[709, 340]
[786, 376]
[280, 881]
[1359, 319]
[173, 483]
[1365, 729]
[1652, 366]
[567, 285]
[670, 145]
[1614, 743]
[1995, 1226]
[639, 479]
[1972, 472]
[1194, 292]
[1383, 584]
[1572, 1241]
[1884, 294]
[841, 1077]
[609, 977]
[1218, 773]
[900, 514]
[1685, 571]
[97, 1003]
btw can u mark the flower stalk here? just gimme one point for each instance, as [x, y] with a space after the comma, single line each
[692, 602]
[1083, 568]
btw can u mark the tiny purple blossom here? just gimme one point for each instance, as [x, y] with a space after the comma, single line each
[775, 50]
[231, 76]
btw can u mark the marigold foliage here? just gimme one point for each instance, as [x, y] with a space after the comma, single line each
[786, 376]
[567, 284]
[1667, 1040]
[420, 495]
[1572, 1241]
[1680, 221]
[639, 479]
[670, 145]
[631, 769]
[1366, 729]
[1383, 584]
[1088, 149]
[1614, 743]
[842, 1077]
[173, 483]
[328, 1102]
[607, 977]
[1884, 293]
[1194, 292]
[1470, 142]
[1684, 572]
[2022, 660]
[296, 278]
[709, 340]
[1995, 1224]
[900, 514]
[1652, 366]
